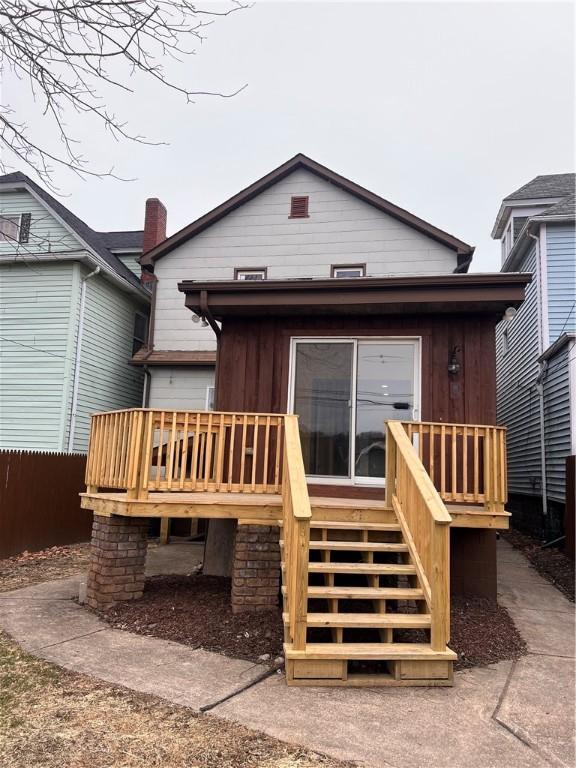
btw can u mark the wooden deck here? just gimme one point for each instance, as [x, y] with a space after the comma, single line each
[392, 555]
[266, 508]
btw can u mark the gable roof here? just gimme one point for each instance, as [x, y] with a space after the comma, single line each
[549, 189]
[463, 250]
[97, 241]
[545, 186]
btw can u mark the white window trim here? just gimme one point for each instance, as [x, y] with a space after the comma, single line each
[241, 273]
[17, 216]
[210, 390]
[336, 268]
[295, 340]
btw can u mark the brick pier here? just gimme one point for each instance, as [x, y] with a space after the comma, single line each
[117, 560]
[256, 568]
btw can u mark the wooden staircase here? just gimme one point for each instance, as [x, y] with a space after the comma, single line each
[366, 601]
[367, 621]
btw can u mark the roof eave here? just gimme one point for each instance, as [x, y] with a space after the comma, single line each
[460, 247]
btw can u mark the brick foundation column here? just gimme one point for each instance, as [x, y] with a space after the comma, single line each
[117, 559]
[256, 568]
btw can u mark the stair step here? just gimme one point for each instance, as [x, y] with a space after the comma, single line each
[368, 620]
[370, 651]
[390, 569]
[355, 526]
[366, 593]
[359, 546]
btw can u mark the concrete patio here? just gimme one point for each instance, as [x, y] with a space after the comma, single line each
[509, 715]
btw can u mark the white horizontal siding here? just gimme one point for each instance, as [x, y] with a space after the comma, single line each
[517, 396]
[561, 267]
[130, 260]
[340, 230]
[36, 322]
[107, 380]
[47, 235]
[557, 422]
[183, 388]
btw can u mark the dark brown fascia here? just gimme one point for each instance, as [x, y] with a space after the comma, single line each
[173, 358]
[463, 250]
[488, 292]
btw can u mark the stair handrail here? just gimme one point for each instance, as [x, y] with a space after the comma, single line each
[425, 524]
[296, 532]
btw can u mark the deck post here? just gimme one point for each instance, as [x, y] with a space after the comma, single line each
[390, 478]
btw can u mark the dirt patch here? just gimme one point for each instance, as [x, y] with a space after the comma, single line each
[196, 611]
[33, 567]
[53, 718]
[552, 564]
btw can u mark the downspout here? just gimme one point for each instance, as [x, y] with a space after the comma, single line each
[147, 382]
[76, 385]
[540, 382]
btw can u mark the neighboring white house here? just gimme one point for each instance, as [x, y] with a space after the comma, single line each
[299, 221]
[536, 349]
[72, 313]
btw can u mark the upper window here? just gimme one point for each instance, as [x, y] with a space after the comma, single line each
[140, 336]
[250, 274]
[348, 270]
[9, 228]
[299, 207]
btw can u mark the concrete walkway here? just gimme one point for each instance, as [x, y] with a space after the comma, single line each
[512, 714]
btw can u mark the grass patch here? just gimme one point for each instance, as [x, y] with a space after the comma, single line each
[53, 718]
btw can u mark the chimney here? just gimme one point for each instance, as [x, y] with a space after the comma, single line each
[154, 224]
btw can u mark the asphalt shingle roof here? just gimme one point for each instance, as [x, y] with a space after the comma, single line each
[551, 185]
[566, 207]
[95, 240]
[122, 240]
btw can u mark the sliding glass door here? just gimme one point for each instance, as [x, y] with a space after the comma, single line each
[344, 390]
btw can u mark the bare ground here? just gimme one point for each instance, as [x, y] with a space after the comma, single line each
[53, 718]
[33, 567]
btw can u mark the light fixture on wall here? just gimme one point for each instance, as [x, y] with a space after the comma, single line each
[453, 364]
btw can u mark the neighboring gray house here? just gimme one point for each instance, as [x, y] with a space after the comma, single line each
[536, 349]
[72, 313]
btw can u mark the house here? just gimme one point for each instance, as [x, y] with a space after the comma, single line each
[536, 350]
[72, 313]
[352, 454]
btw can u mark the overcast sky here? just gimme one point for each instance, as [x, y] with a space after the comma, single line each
[442, 108]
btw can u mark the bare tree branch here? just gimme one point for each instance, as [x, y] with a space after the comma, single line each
[65, 51]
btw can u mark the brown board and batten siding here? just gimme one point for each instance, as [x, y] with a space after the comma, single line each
[254, 359]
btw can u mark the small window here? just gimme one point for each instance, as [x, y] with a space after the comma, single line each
[250, 274]
[9, 228]
[210, 394]
[299, 207]
[348, 270]
[140, 336]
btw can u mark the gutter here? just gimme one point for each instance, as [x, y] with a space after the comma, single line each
[77, 359]
[88, 258]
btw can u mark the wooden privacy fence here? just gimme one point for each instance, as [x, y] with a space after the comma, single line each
[143, 450]
[39, 501]
[466, 463]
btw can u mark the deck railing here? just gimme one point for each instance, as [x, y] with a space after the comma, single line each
[425, 524]
[466, 463]
[295, 534]
[142, 450]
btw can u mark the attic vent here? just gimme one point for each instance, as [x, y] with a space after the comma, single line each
[299, 207]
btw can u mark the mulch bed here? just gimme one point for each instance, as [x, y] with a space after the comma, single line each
[195, 610]
[552, 564]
